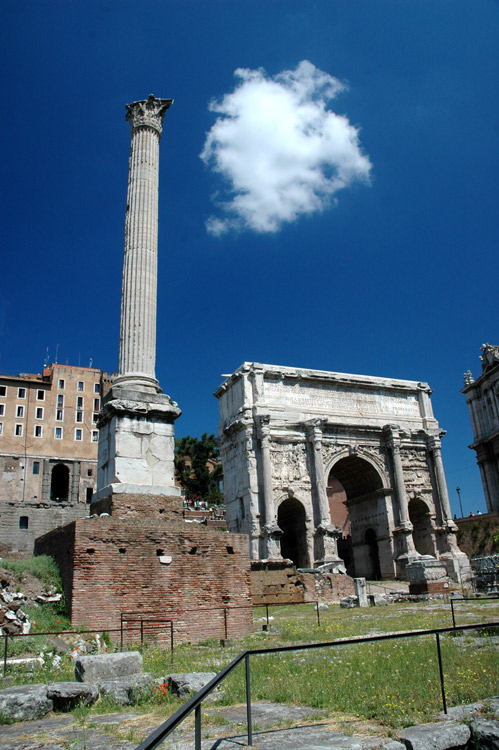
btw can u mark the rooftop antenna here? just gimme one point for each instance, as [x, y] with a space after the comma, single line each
[56, 353]
[91, 362]
[47, 358]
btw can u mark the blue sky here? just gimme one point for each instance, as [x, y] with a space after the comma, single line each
[394, 274]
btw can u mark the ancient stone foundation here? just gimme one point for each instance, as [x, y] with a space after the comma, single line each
[144, 559]
[279, 582]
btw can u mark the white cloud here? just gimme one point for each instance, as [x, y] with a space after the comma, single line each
[281, 152]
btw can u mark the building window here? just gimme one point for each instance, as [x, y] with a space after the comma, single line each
[96, 404]
[79, 416]
[61, 384]
[95, 417]
[40, 395]
[96, 387]
[38, 430]
[2, 410]
[23, 522]
[39, 412]
[36, 467]
[79, 402]
[20, 412]
[95, 436]
[78, 434]
[1, 427]
[80, 385]
[60, 400]
[21, 393]
[59, 415]
[90, 493]
[18, 430]
[3, 390]
[58, 433]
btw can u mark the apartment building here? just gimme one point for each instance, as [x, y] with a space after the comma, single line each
[48, 449]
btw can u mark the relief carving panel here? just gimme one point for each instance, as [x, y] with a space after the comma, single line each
[289, 463]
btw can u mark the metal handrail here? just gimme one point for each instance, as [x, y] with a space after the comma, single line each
[194, 703]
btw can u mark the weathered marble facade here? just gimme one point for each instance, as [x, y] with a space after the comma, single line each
[300, 447]
[482, 397]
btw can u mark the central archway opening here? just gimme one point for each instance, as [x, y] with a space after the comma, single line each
[59, 482]
[291, 521]
[337, 498]
[357, 506]
[373, 555]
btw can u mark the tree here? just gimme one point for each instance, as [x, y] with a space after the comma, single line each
[201, 476]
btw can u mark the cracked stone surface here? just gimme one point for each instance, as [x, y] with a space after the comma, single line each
[124, 731]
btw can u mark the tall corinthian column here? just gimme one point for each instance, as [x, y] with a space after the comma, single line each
[136, 435]
[140, 265]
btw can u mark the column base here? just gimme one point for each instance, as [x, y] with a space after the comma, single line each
[271, 535]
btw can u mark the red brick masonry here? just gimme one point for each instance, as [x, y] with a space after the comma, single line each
[121, 563]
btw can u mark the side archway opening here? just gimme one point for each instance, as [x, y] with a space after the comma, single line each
[291, 521]
[423, 534]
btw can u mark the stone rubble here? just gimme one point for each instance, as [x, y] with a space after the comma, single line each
[13, 619]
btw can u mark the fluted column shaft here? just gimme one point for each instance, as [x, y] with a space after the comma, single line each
[399, 484]
[316, 440]
[268, 499]
[441, 481]
[137, 360]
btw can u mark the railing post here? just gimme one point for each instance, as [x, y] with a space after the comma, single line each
[197, 727]
[442, 686]
[5, 654]
[141, 634]
[318, 616]
[267, 613]
[225, 622]
[171, 638]
[121, 632]
[248, 702]
[452, 610]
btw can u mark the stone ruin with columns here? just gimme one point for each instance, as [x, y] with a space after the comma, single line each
[335, 471]
[135, 558]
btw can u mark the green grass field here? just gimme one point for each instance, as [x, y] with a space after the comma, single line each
[393, 682]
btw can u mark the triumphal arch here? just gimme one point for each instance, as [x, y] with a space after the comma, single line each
[331, 469]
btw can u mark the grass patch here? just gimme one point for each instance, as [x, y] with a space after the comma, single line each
[393, 682]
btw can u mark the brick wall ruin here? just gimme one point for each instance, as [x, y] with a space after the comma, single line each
[152, 564]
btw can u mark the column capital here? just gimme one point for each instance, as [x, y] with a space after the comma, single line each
[391, 433]
[263, 426]
[434, 444]
[148, 113]
[315, 430]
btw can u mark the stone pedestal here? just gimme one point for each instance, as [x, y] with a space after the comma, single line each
[426, 575]
[136, 444]
[326, 545]
[361, 591]
[271, 538]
